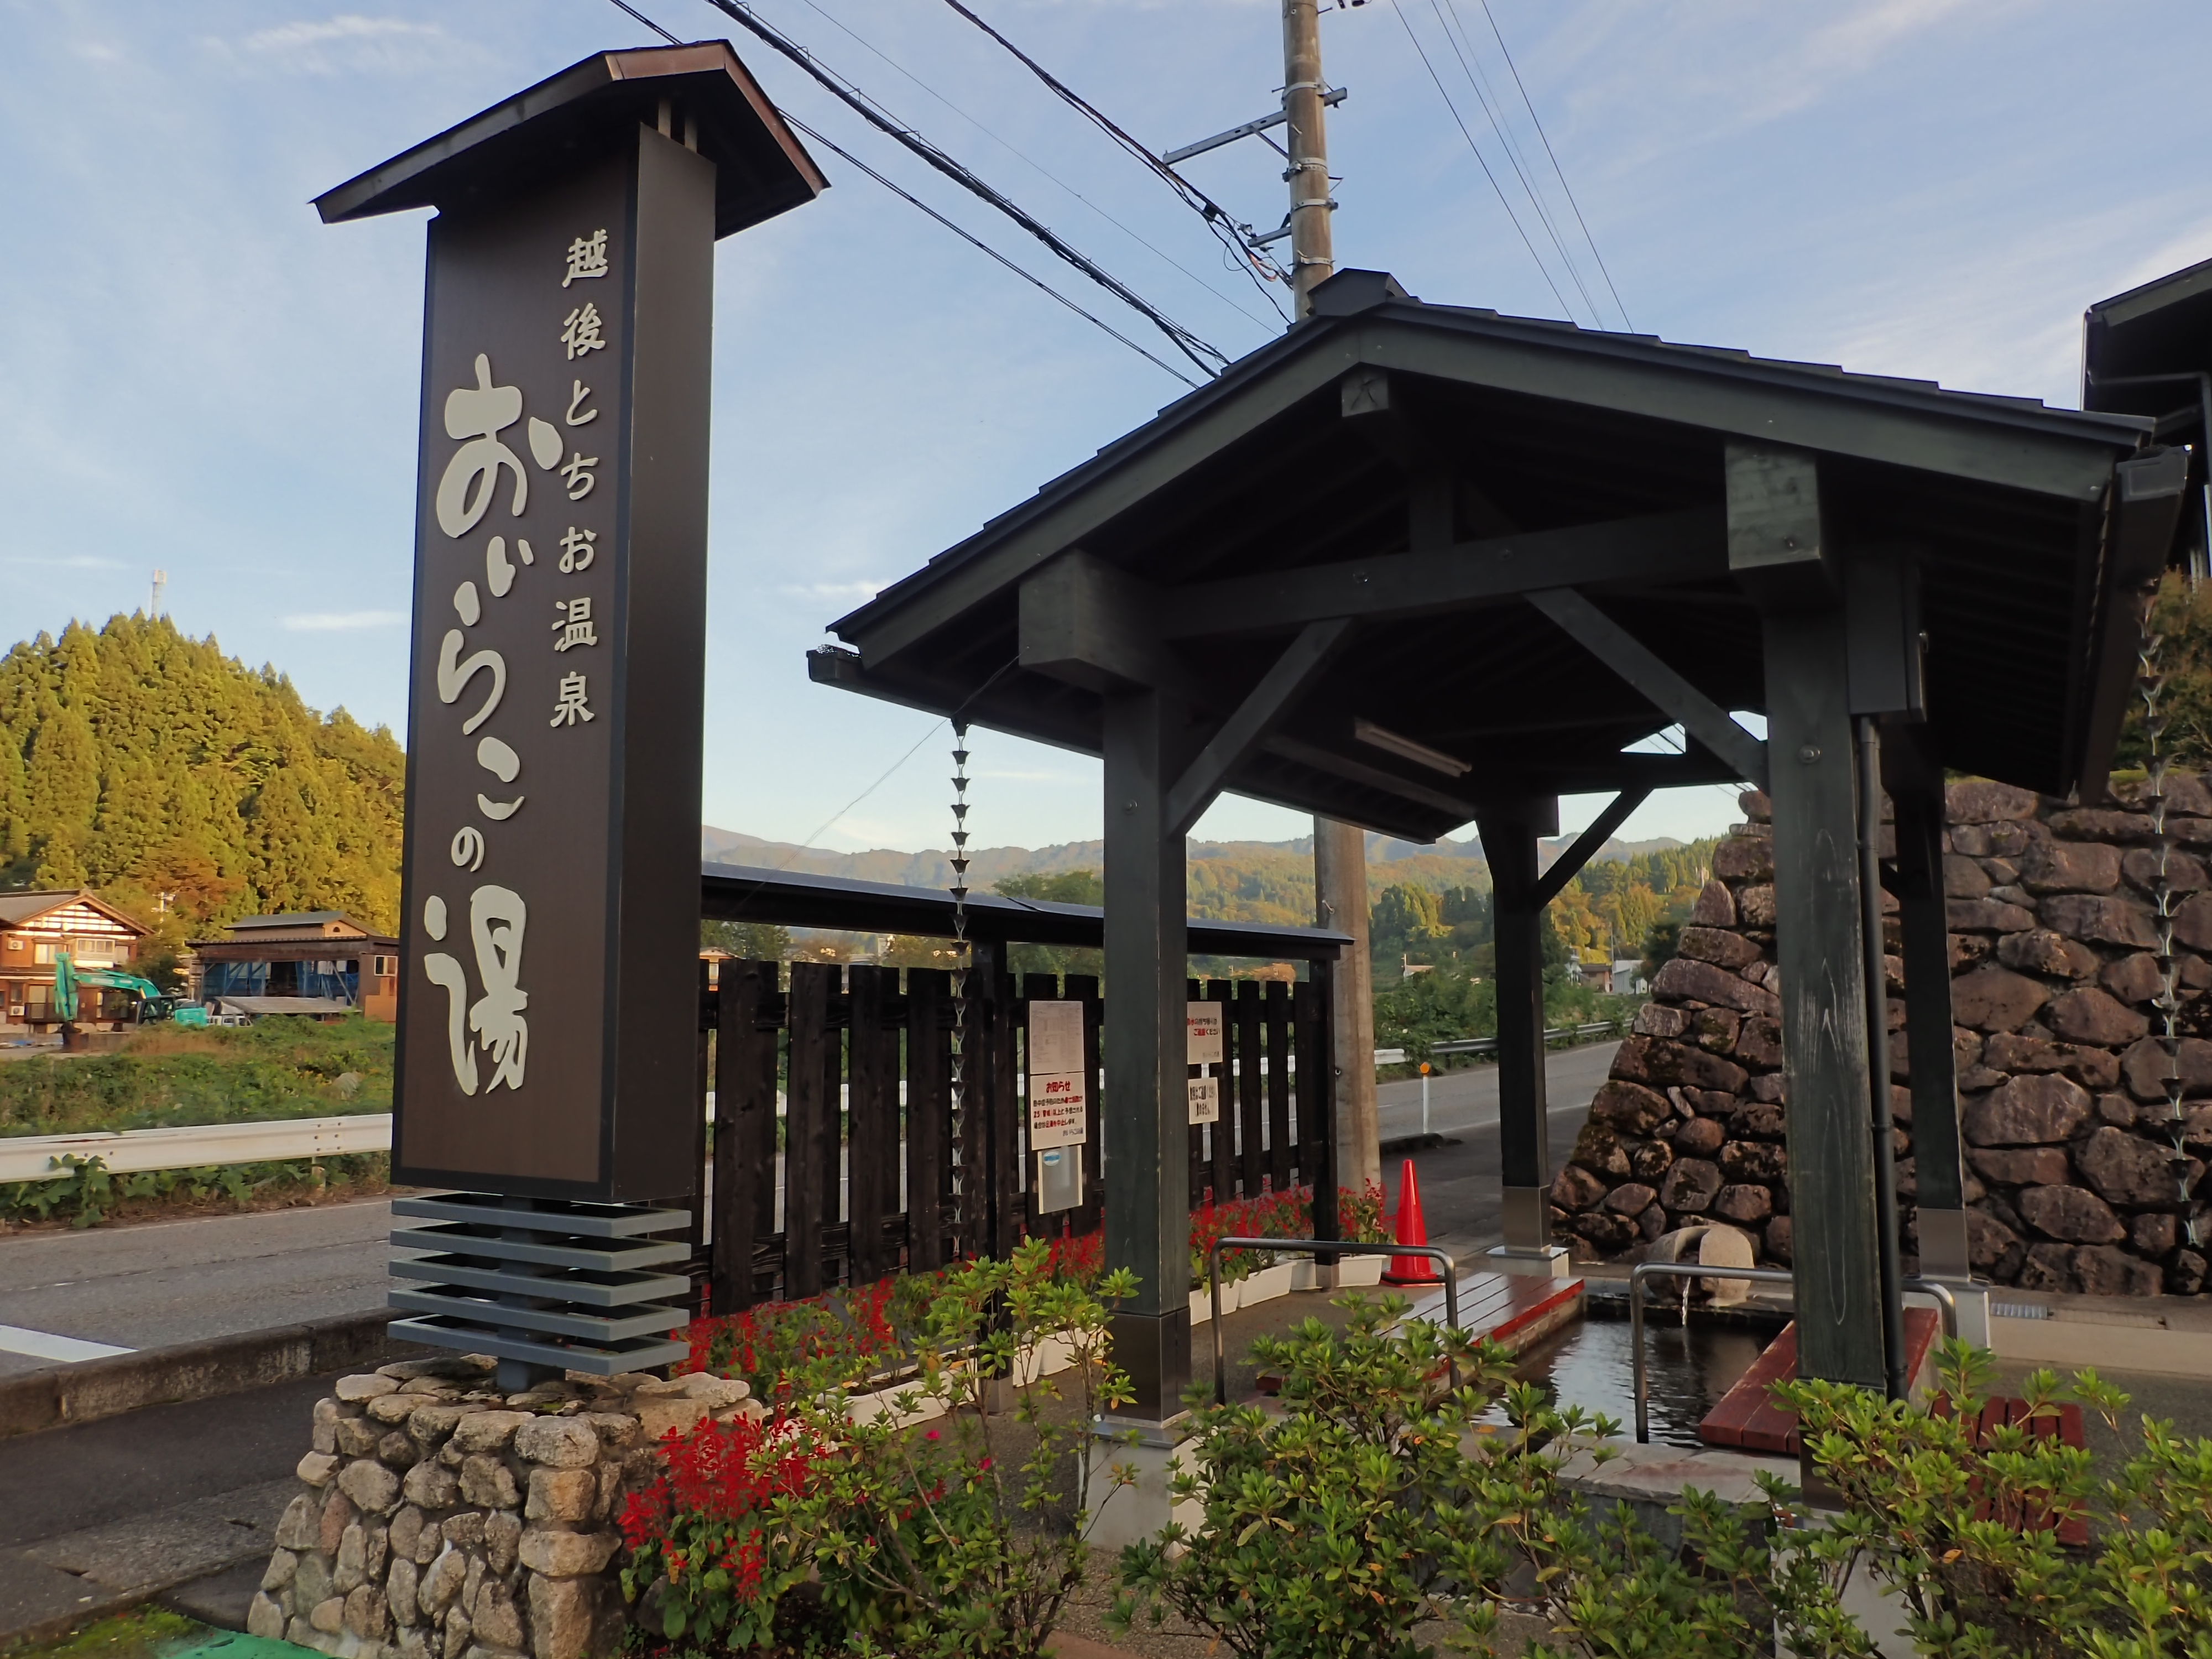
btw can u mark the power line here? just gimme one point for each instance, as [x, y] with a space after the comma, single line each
[1480, 87]
[1424, 56]
[959, 231]
[1216, 216]
[1210, 359]
[976, 242]
[1491, 18]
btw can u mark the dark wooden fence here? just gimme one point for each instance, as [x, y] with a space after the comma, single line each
[864, 1184]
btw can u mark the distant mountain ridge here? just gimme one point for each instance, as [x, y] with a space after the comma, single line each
[1266, 881]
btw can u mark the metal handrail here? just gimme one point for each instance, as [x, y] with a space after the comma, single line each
[1312, 1247]
[1947, 1302]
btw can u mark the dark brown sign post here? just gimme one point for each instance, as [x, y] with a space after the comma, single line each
[548, 1002]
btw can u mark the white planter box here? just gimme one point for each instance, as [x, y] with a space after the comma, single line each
[1306, 1274]
[1266, 1285]
[1047, 1358]
[1359, 1270]
[884, 1405]
[1201, 1301]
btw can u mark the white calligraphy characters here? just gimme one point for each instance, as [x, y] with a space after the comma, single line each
[497, 916]
[575, 625]
[479, 414]
[579, 330]
[573, 706]
[576, 549]
[587, 257]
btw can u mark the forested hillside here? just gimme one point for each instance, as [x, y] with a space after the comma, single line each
[139, 761]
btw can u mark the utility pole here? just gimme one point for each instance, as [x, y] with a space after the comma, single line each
[1340, 849]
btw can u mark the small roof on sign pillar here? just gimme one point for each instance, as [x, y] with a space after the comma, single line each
[762, 168]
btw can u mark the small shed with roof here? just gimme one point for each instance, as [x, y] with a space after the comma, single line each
[320, 962]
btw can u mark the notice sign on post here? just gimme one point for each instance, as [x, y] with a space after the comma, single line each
[1204, 1099]
[548, 1001]
[1202, 1024]
[1060, 1102]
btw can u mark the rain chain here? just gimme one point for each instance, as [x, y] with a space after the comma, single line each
[960, 963]
[2151, 686]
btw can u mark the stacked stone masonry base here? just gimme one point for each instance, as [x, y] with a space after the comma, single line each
[439, 1519]
[2062, 1069]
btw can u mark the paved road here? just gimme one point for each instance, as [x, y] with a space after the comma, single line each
[165, 1282]
[1460, 1183]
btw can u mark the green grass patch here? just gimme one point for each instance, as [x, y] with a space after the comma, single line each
[170, 1076]
[145, 1633]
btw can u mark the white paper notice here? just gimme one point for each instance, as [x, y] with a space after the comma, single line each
[1202, 1021]
[1058, 1114]
[1055, 1037]
[1206, 1097]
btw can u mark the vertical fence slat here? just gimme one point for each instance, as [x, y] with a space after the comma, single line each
[1316, 1093]
[1083, 988]
[1200, 1178]
[928, 1117]
[810, 1126]
[745, 1129]
[1222, 1166]
[1036, 988]
[1275, 1016]
[702, 1232]
[1010, 1203]
[1251, 1159]
[873, 1141]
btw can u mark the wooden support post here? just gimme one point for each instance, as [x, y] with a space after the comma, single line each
[1915, 789]
[1510, 833]
[1819, 952]
[871, 1139]
[1145, 1115]
[1083, 988]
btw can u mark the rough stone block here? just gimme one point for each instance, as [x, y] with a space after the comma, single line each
[328, 1615]
[2126, 1169]
[1691, 1186]
[2114, 920]
[403, 1582]
[1632, 1199]
[2072, 1213]
[315, 1468]
[1753, 1161]
[1963, 879]
[1661, 1063]
[355, 1389]
[1598, 1150]
[486, 1480]
[1606, 1230]
[1630, 1107]
[457, 1633]
[264, 1618]
[465, 1531]
[1649, 1163]
[337, 1515]
[1716, 906]
[442, 1583]
[2144, 1067]
[357, 1435]
[1758, 1120]
[489, 1431]
[1573, 1189]
[429, 1425]
[1715, 1030]
[494, 1618]
[559, 1553]
[563, 1615]
[2102, 1270]
[2181, 872]
[2152, 1236]
[2049, 1268]
[2026, 1166]
[568, 1494]
[370, 1484]
[391, 1409]
[1995, 999]
[1744, 858]
[502, 1533]
[2070, 867]
[561, 1443]
[1986, 915]
[657, 1417]
[297, 1527]
[2134, 978]
[432, 1485]
[365, 1613]
[1698, 1137]
[1718, 945]
[1658, 1019]
[2042, 1109]
[1980, 800]
[2040, 950]
[2095, 1016]
[353, 1554]
[1744, 1203]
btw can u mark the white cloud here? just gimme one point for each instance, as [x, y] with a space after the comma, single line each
[338, 45]
[68, 562]
[342, 622]
[856, 593]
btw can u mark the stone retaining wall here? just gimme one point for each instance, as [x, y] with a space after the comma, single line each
[2061, 1066]
[440, 1519]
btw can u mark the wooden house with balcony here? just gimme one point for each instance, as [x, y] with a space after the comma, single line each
[35, 927]
[317, 962]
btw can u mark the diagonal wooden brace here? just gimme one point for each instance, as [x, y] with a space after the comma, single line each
[1630, 658]
[1278, 691]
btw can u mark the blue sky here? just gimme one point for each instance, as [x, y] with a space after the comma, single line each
[196, 374]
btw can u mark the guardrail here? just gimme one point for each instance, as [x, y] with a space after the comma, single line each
[40, 1157]
[1452, 1046]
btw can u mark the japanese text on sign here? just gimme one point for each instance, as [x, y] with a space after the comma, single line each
[1202, 1024]
[1059, 1094]
[1205, 1094]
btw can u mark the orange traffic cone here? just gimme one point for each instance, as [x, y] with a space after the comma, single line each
[1411, 1230]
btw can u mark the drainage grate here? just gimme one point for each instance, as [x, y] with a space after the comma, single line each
[2019, 1310]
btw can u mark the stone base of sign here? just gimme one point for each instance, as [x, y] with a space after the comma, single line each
[440, 1519]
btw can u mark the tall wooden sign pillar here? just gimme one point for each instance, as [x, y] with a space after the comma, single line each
[548, 1010]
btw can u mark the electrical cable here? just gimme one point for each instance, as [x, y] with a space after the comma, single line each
[1198, 351]
[956, 230]
[1216, 216]
[868, 47]
[1420, 52]
[1491, 18]
[976, 242]
[1494, 107]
